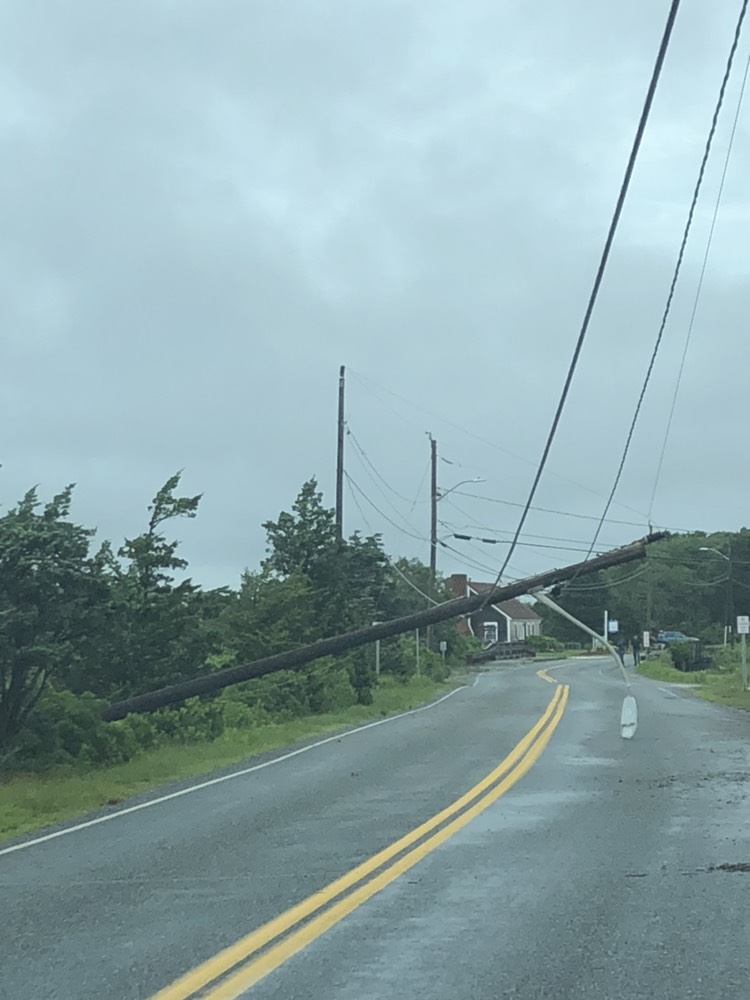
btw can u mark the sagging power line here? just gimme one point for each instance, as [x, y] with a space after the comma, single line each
[678, 266]
[645, 113]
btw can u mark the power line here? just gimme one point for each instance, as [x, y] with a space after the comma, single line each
[562, 513]
[505, 541]
[416, 500]
[375, 507]
[367, 459]
[699, 289]
[467, 559]
[412, 585]
[368, 384]
[388, 559]
[367, 467]
[599, 276]
[598, 586]
[358, 505]
[507, 531]
[678, 265]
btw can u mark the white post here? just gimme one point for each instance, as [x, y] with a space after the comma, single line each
[377, 657]
[416, 636]
[744, 662]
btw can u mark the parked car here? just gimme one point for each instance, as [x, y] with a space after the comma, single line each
[666, 637]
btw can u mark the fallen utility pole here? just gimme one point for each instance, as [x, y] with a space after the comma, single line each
[293, 659]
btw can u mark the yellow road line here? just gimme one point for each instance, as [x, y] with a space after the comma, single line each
[208, 971]
[545, 676]
[261, 966]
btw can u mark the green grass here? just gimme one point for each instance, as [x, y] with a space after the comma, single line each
[721, 687]
[660, 669]
[29, 802]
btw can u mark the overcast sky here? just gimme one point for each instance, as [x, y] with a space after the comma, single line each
[207, 207]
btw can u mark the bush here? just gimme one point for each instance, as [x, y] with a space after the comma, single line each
[191, 722]
[545, 644]
[329, 687]
[725, 659]
[682, 655]
[65, 728]
[361, 674]
[433, 666]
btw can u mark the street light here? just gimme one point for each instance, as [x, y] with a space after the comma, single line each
[709, 548]
[464, 482]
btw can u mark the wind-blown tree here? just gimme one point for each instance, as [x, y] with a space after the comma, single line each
[157, 634]
[50, 590]
[346, 578]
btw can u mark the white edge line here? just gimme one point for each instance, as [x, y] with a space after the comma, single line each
[217, 781]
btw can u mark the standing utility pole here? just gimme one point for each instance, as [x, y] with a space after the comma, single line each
[433, 528]
[730, 595]
[340, 459]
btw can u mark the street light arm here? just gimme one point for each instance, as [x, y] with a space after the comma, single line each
[463, 482]
[708, 548]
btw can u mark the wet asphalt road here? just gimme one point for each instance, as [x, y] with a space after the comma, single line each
[591, 878]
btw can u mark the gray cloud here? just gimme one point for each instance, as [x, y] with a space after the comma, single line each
[208, 207]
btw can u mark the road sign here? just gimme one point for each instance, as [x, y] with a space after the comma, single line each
[443, 645]
[646, 640]
[614, 625]
[743, 624]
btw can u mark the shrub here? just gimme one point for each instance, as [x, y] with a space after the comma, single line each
[65, 728]
[329, 687]
[682, 655]
[545, 644]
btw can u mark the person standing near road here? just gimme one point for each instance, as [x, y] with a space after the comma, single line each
[636, 644]
[621, 648]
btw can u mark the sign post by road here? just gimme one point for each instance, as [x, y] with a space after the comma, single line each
[743, 628]
[614, 626]
[443, 648]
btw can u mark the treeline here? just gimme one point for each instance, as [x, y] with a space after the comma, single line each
[82, 626]
[693, 583]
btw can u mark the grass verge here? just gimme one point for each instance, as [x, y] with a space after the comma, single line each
[660, 668]
[721, 687]
[30, 802]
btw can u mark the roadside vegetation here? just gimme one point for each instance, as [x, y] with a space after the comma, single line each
[681, 585]
[85, 625]
[31, 801]
[81, 627]
[721, 682]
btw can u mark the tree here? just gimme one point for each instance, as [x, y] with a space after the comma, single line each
[157, 631]
[305, 540]
[48, 587]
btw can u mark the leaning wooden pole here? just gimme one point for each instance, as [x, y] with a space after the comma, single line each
[293, 659]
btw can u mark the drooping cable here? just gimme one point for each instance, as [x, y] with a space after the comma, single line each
[645, 113]
[678, 267]
[698, 291]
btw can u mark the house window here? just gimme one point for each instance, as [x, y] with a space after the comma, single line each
[489, 631]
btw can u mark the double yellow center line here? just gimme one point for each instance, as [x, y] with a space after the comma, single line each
[234, 970]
